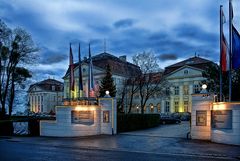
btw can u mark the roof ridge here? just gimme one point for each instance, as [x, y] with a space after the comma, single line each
[185, 62]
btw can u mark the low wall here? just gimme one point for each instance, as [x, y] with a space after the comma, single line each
[82, 120]
[226, 123]
[64, 127]
[218, 122]
[201, 117]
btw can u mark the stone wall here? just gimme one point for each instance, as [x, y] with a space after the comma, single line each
[82, 120]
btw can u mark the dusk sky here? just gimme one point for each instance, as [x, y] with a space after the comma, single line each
[173, 29]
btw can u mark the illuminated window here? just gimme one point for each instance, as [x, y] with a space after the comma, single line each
[185, 106]
[196, 88]
[151, 107]
[159, 107]
[176, 106]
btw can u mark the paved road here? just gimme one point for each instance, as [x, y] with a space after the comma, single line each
[169, 130]
[25, 151]
[166, 142]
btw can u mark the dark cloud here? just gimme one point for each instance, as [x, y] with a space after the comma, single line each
[49, 57]
[100, 28]
[41, 74]
[195, 32]
[165, 57]
[124, 23]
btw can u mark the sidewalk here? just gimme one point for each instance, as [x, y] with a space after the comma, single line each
[130, 143]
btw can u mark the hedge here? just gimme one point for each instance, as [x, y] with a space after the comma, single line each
[131, 122]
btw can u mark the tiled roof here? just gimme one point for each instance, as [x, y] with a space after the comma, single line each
[48, 84]
[118, 66]
[196, 62]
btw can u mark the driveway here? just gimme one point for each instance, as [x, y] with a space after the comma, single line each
[168, 130]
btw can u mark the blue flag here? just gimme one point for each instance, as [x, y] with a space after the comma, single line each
[235, 48]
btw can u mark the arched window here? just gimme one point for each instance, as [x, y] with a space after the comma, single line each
[159, 107]
[151, 107]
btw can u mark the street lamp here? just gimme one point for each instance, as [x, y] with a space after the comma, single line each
[204, 89]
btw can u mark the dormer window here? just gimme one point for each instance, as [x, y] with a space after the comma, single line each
[185, 71]
[53, 88]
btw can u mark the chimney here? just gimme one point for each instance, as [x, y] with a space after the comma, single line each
[123, 58]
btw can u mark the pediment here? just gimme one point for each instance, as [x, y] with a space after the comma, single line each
[185, 72]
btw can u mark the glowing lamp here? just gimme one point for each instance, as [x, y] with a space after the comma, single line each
[204, 86]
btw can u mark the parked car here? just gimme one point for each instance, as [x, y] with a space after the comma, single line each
[169, 120]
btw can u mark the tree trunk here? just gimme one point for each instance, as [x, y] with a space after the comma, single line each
[12, 96]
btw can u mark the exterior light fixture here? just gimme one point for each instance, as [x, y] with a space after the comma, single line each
[204, 86]
[204, 89]
[107, 94]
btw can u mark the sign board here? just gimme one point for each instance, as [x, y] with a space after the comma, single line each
[106, 117]
[201, 118]
[83, 117]
[222, 119]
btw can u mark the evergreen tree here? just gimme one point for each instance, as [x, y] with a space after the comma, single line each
[107, 84]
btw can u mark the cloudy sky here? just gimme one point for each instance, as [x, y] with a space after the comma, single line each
[172, 29]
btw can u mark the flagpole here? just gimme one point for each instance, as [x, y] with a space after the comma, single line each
[79, 72]
[70, 73]
[89, 71]
[221, 30]
[230, 50]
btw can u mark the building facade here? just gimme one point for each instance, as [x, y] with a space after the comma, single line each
[45, 95]
[183, 79]
[121, 70]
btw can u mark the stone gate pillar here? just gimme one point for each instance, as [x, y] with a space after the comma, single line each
[201, 116]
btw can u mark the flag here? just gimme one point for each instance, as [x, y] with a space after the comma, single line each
[224, 49]
[223, 44]
[71, 65]
[90, 76]
[80, 85]
[235, 48]
[223, 17]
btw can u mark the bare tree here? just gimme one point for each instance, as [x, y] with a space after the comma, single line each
[132, 89]
[150, 82]
[147, 61]
[17, 49]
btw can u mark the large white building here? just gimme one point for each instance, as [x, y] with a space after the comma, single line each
[45, 95]
[184, 78]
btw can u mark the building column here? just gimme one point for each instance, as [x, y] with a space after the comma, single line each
[162, 106]
[181, 106]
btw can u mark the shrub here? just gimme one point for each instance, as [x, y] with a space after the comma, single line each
[131, 122]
